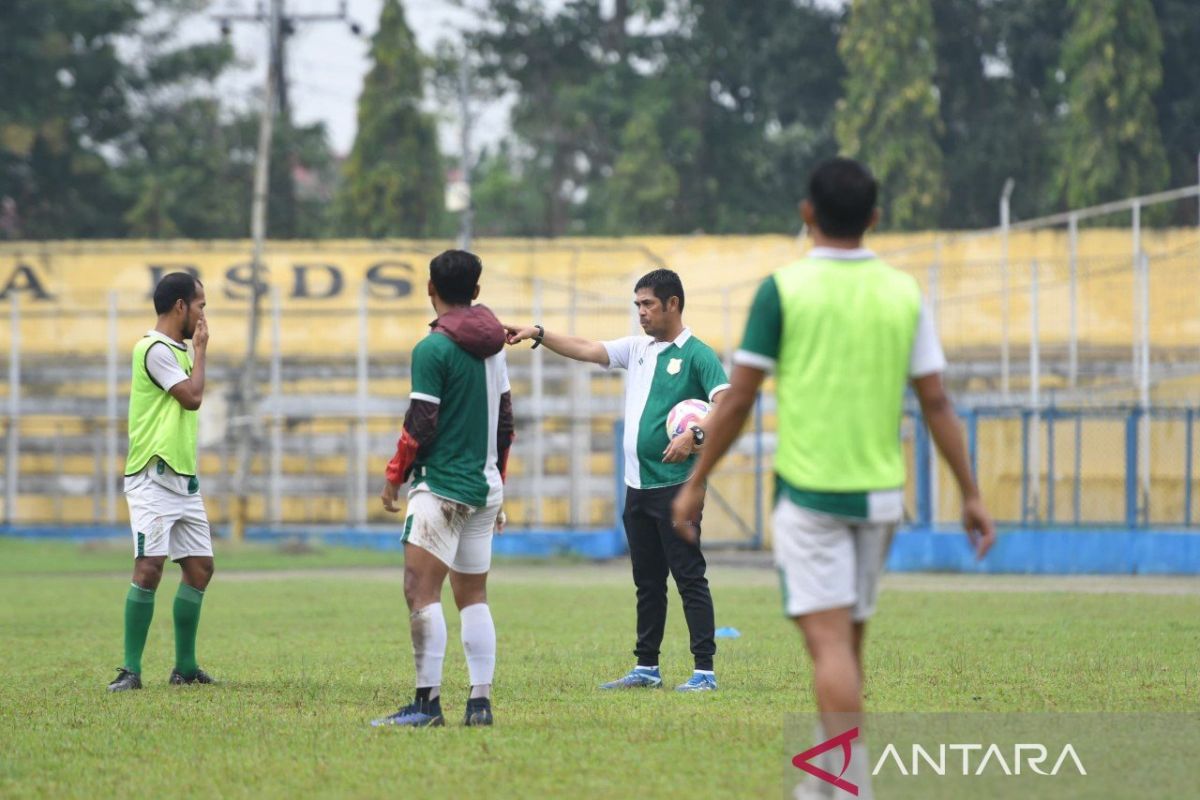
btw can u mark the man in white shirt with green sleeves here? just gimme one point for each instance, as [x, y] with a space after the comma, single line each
[667, 365]
[166, 513]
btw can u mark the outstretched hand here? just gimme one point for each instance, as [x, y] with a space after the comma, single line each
[515, 335]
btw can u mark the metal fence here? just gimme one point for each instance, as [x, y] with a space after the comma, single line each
[323, 428]
[1075, 364]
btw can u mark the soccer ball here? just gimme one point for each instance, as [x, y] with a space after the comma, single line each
[684, 415]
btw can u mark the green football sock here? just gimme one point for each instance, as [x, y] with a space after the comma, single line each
[139, 610]
[187, 620]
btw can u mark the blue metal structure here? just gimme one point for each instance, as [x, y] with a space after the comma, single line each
[1028, 543]
[1135, 515]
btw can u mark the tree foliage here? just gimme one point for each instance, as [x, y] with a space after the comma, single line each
[669, 116]
[627, 116]
[63, 100]
[393, 181]
[1178, 100]
[888, 115]
[1110, 145]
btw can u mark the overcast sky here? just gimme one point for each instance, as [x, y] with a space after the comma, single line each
[327, 63]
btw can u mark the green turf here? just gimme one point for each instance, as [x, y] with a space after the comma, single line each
[306, 661]
[23, 556]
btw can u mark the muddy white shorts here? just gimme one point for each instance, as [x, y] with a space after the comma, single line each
[460, 536]
[166, 523]
[826, 561]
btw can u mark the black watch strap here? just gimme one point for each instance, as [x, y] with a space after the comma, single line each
[697, 435]
[537, 340]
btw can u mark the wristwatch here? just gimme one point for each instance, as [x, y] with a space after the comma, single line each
[537, 340]
[697, 435]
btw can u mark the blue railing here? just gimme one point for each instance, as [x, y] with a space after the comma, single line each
[1136, 513]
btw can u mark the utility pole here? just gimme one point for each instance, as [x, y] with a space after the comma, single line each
[466, 230]
[285, 190]
[281, 26]
[243, 423]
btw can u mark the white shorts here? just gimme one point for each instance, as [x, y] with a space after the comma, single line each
[166, 523]
[458, 535]
[826, 561]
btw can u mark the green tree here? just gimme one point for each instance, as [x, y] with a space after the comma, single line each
[61, 104]
[753, 85]
[315, 175]
[508, 200]
[888, 116]
[182, 170]
[998, 93]
[393, 180]
[186, 173]
[1110, 145]
[644, 186]
[703, 116]
[572, 98]
[1178, 101]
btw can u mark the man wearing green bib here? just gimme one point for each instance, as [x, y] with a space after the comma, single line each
[844, 334]
[166, 514]
[666, 366]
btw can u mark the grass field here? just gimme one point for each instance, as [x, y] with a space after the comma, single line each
[308, 656]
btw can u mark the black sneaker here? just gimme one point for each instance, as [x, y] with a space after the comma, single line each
[479, 712]
[125, 681]
[179, 679]
[417, 714]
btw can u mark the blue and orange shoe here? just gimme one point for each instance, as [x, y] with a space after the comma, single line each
[699, 682]
[638, 678]
[417, 714]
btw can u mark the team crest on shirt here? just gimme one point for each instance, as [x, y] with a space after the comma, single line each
[674, 365]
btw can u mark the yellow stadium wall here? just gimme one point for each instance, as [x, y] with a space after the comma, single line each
[64, 290]
[66, 285]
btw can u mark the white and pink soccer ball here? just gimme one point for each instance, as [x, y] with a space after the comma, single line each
[684, 415]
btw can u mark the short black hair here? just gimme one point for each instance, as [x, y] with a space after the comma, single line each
[174, 286]
[455, 274]
[664, 283]
[843, 194]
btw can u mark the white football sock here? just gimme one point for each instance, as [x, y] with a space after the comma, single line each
[859, 771]
[428, 627]
[479, 646]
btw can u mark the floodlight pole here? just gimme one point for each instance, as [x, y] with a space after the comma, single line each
[1005, 226]
[243, 421]
[12, 436]
[1035, 400]
[1141, 357]
[1073, 341]
[110, 412]
[467, 224]
[933, 309]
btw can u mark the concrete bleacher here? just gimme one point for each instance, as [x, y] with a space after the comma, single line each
[579, 285]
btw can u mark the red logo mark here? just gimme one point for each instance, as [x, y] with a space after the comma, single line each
[843, 739]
